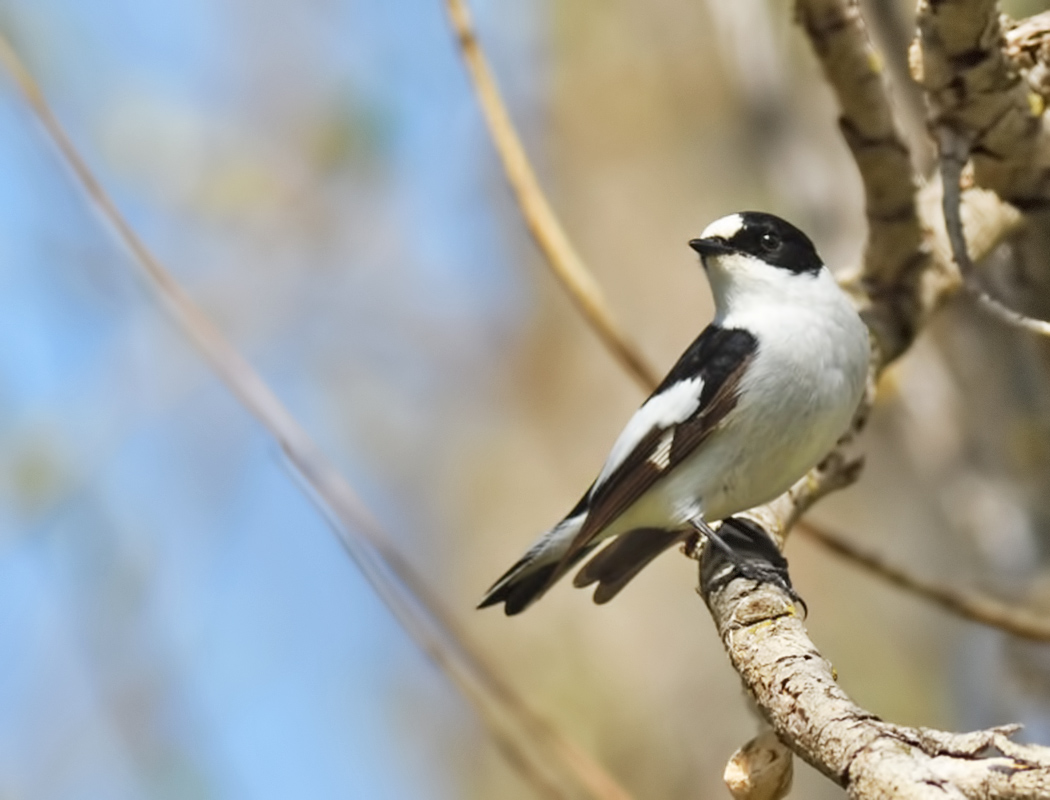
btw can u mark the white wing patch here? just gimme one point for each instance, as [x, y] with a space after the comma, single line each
[674, 404]
[661, 456]
[725, 228]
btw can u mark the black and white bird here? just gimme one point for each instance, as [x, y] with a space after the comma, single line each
[759, 398]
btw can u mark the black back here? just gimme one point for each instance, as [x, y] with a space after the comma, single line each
[714, 355]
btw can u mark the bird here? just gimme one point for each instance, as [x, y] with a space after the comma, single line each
[759, 398]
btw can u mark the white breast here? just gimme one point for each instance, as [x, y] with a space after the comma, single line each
[796, 399]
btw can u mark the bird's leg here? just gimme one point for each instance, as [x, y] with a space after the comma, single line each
[705, 530]
[757, 557]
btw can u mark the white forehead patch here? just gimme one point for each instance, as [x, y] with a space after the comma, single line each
[725, 228]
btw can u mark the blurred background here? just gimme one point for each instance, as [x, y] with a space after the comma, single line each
[176, 619]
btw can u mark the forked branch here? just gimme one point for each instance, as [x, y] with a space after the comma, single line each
[975, 88]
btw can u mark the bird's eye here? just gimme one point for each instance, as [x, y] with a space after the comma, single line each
[770, 242]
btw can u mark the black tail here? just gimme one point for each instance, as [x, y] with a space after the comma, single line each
[518, 593]
[612, 568]
[618, 563]
[527, 581]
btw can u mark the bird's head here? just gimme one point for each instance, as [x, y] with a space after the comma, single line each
[753, 254]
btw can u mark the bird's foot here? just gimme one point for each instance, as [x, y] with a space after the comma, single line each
[743, 550]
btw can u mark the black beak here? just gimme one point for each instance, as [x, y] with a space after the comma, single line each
[711, 247]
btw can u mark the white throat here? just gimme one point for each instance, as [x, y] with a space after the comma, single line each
[745, 287]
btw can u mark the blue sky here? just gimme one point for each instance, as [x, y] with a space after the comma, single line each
[176, 620]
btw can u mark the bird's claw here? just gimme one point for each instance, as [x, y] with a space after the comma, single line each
[745, 551]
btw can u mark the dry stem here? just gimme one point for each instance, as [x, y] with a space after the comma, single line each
[969, 605]
[541, 220]
[955, 149]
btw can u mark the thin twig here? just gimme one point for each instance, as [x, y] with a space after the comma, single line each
[966, 604]
[954, 152]
[457, 653]
[540, 218]
[507, 718]
[996, 309]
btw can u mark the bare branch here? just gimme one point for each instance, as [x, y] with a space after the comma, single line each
[980, 106]
[543, 224]
[973, 606]
[987, 222]
[797, 691]
[855, 72]
[794, 687]
[996, 309]
[895, 256]
[532, 745]
[898, 305]
[955, 150]
[975, 89]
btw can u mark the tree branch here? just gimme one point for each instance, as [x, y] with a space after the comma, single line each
[797, 691]
[973, 606]
[854, 71]
[794, 687]
[540, 218]
[974, 88]
[898, 303]
[907, 275]
[955, 149]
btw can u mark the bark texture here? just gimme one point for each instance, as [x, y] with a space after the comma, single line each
[986, 80]
[974, 86]
[797, 691]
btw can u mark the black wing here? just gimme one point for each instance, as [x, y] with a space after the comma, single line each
[720, 357]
